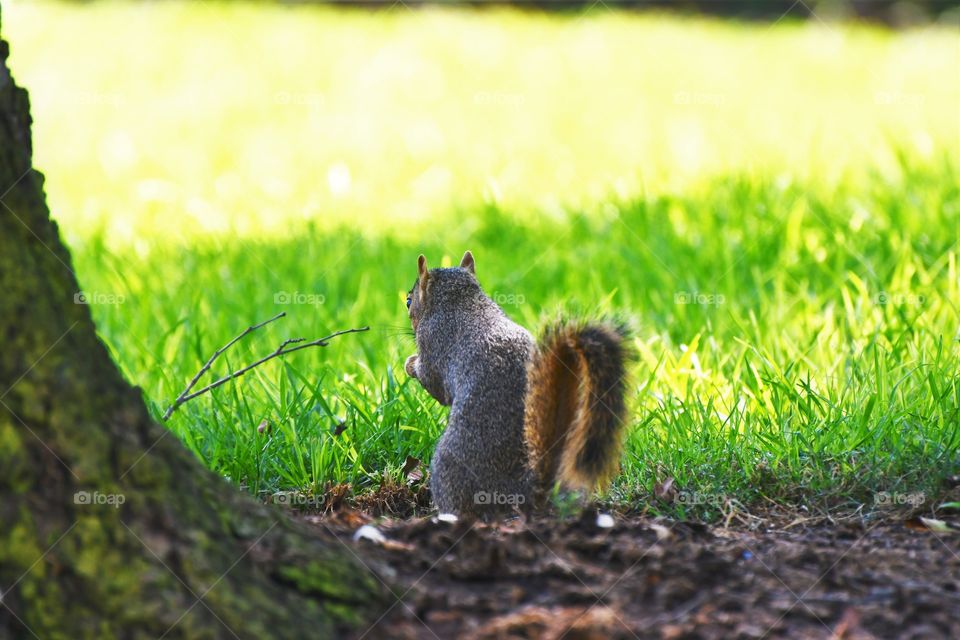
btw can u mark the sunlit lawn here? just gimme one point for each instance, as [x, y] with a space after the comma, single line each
[777, 209]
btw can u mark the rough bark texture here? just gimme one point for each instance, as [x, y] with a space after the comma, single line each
[70, 423]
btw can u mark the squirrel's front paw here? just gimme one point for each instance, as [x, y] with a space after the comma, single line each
[410, 366]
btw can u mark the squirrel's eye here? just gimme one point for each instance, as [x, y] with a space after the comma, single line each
[408, 302]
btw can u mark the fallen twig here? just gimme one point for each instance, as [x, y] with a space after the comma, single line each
[282, 350]
[183, 395]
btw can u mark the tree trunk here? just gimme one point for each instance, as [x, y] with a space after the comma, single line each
[109, 527]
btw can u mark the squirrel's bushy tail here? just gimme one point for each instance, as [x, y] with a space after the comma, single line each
[574, 411]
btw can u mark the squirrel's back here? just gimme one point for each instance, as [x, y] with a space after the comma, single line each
[472, 357]
[522, 415]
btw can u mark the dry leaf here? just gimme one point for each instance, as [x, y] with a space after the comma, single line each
[665, 490]
[663, 533]
[411, 470]
[930, 524]
[848, 625]
[938, 525]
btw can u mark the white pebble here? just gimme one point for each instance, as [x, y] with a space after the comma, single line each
[367, 532]
[604, 521]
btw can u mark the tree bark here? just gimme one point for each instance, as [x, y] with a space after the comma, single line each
[158, 546]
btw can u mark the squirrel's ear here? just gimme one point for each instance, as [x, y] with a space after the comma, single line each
[422, 267]
[468, 263]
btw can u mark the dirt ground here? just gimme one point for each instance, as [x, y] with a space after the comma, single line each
[650, 578]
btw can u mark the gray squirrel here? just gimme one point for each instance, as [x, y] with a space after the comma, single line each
[524, 415]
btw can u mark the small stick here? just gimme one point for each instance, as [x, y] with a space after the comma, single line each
[181, 398]
[186, 395]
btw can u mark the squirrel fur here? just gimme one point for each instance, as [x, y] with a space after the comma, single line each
[524, 415]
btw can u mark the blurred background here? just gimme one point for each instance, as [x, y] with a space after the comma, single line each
[767, 188]
[246, 118]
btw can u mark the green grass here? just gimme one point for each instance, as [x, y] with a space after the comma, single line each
[822, 365]
[784, 238]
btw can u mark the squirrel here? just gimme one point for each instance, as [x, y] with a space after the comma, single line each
[524, 415]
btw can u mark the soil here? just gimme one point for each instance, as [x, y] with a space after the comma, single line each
[654, 578]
